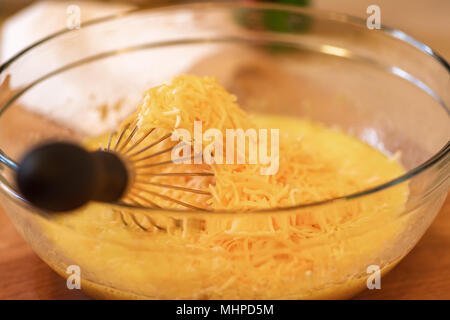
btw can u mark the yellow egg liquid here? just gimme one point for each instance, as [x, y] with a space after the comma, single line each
[306, 253]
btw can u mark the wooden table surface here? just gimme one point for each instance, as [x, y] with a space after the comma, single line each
[423, 274]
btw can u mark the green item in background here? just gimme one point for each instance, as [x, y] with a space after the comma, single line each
[276, 20]
[282, 21]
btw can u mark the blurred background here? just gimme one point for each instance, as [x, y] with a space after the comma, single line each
[427, 20]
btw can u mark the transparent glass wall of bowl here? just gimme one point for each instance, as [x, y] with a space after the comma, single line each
[328, 263]
[334, 71]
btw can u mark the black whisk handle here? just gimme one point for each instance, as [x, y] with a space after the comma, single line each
[63, 176]
[111, 176]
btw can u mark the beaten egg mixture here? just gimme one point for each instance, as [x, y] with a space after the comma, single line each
[233, 250]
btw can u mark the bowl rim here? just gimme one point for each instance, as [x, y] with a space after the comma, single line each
[444, 152]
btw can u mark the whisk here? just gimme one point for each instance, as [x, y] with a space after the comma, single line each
[62, 176]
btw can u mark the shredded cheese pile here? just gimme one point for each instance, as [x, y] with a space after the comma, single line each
[297, 253]
[306, 173]
[191, 98]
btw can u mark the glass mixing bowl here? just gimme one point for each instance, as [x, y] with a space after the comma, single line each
[381, 86]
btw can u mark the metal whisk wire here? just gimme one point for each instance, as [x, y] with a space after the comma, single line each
[138, 161]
